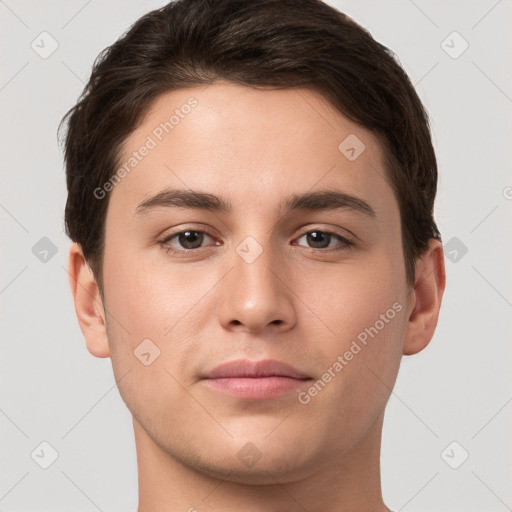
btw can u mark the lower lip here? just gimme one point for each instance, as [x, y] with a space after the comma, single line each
[256, 388]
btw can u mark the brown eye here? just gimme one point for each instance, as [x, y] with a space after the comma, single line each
[184, 241]
[318, 239]
[322, 239]
[190, 239]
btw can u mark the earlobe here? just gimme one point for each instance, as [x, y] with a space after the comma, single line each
[88, 303]
[426, 299]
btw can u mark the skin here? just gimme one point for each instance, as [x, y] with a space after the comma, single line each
[296, 303]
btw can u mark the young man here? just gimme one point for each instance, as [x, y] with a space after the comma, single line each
[251, 188]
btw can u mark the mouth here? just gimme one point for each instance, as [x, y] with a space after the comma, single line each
[255, 380]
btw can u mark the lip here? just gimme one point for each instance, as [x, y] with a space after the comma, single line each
[255, 380]
[255, 369]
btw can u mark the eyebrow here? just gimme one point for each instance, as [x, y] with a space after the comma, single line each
[309, 201]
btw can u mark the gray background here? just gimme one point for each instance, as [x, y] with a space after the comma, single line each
[458, 389]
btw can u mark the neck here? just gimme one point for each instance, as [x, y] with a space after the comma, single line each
[342, 482]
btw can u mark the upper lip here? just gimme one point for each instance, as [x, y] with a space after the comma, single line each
[262, 368]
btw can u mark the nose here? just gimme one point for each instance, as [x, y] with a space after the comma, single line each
[256, 294]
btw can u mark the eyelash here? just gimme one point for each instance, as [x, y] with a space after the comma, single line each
[347, 244]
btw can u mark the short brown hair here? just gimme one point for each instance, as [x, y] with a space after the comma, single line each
[256, 43]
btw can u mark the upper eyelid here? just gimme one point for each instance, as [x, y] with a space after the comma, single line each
[327, 231]
[184, 230]
[346, 234]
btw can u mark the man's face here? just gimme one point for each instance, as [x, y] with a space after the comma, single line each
[254, 283]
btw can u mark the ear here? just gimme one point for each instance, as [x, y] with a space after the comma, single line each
[426, 297]
[88, 303]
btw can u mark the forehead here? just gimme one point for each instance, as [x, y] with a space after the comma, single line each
[249, 144]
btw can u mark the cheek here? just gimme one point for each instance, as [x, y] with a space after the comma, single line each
[145, 304]
[172, 305]
[351, 297]
[364, 308]
[360, 361]
[143, 300]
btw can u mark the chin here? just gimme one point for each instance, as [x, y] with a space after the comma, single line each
[267, 470]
